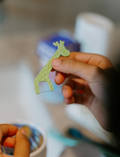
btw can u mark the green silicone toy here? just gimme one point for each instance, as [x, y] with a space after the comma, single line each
[43, 76]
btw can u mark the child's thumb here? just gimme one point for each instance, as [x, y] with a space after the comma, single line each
[22, 145]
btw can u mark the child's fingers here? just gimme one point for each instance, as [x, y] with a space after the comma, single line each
[67, 91]
[70, 100]
[7, 130]
[75, 98]
[74, 83]
[8, 142]
[89, 58]
[60, 78]
[71, 86]
[87, 72]
[22, 145]
[70, 96]
[83, 98]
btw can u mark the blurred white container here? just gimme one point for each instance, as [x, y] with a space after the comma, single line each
[38, 138]
[41, 151]
[97, 34]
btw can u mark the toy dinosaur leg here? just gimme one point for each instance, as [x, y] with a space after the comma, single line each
[36, 86]
[50, 84]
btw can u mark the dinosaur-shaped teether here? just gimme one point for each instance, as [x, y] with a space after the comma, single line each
[43, 76]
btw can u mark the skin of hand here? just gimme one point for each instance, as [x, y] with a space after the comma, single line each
[19, 142]
[97, 78]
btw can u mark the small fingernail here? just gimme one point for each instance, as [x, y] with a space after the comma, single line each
[64, 90]
[56, 62]
[67, 101]
[23, 131]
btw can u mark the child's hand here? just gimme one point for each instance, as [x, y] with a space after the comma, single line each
[20, 142]
[96, 77]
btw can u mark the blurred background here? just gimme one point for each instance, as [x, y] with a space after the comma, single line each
[29, 15]
[19, 16]
[23, 24]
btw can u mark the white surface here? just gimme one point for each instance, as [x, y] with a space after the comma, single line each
[19, 101]
[85, 118]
